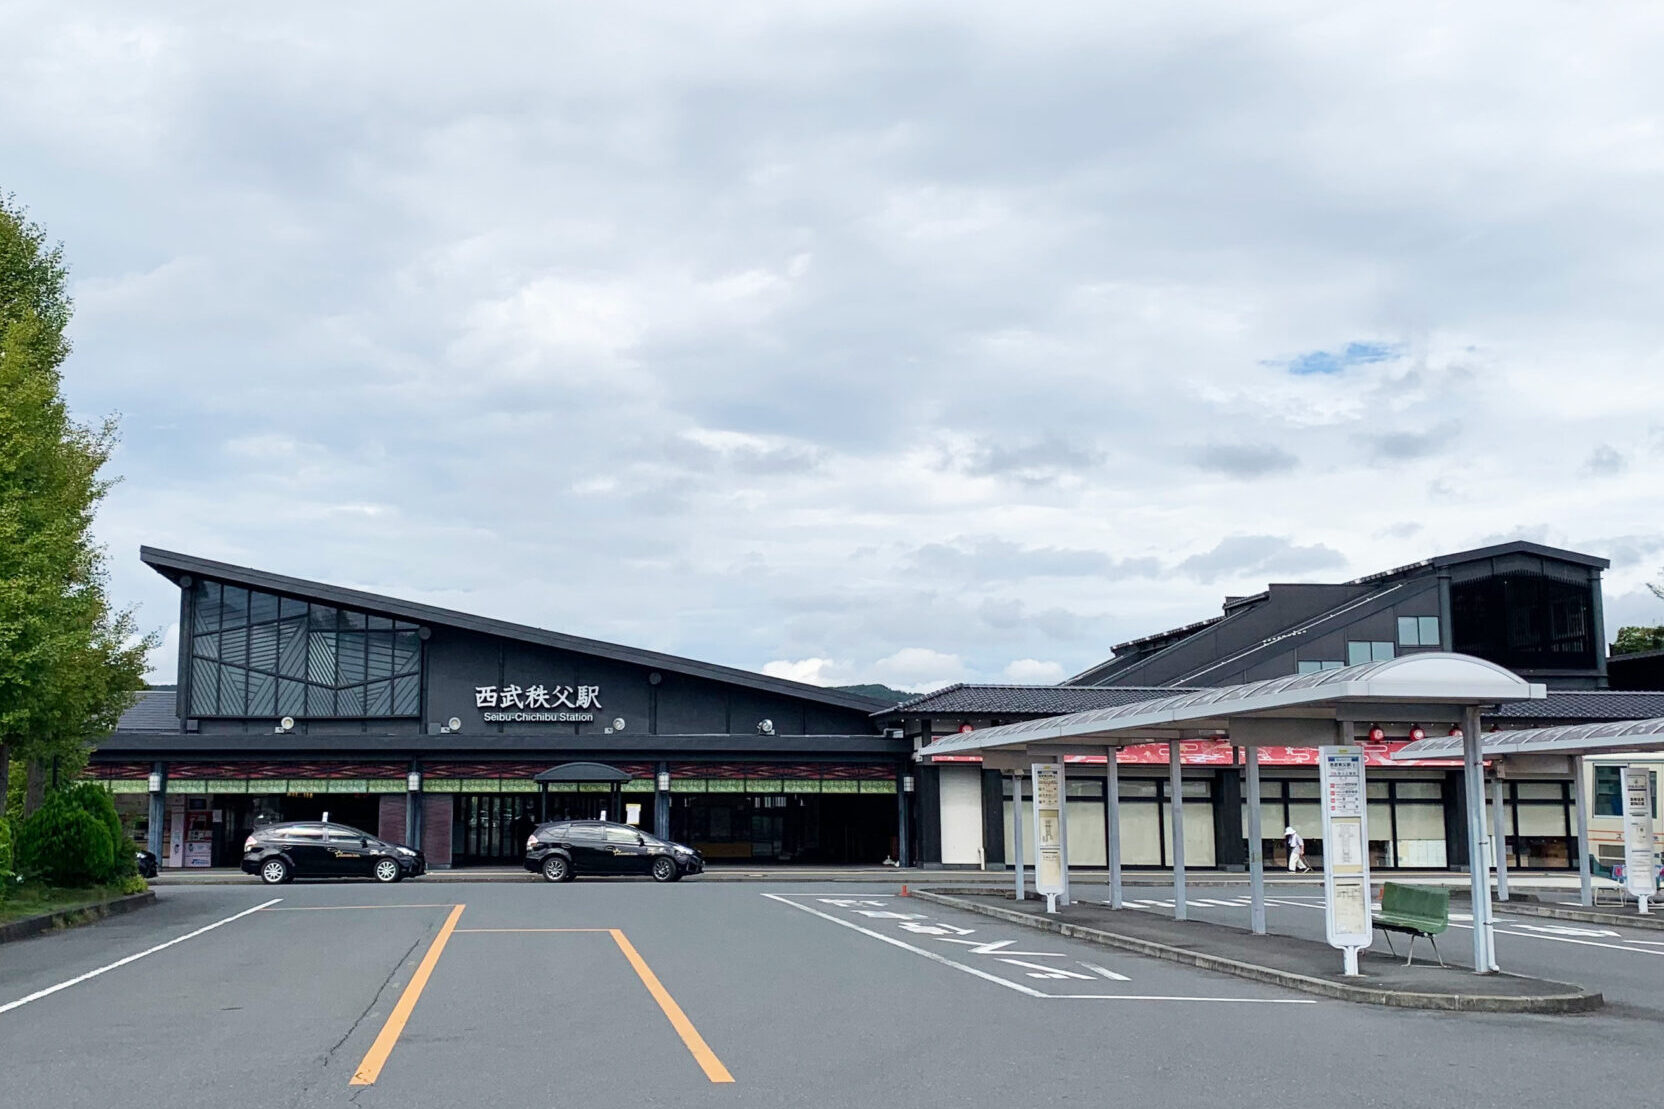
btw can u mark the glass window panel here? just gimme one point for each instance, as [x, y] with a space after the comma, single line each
[1308, 667]
[234, 646]
[380, 623]
[1608, 791]
[407, 653]
[350, 646]
[1197, 787]
[205, 645]
[262, 647]
[1140, 836]
[1198, 834]
[1304, 789]
[1421, 789]
[1542, 820]
[1085, 788]
[233, 606]
[1409, 632]
[354, 620]
[233, 690]
[1307, 819]
[1380, 651]
[262, 606]
[378, 701]
[291, 698]
[205, 687]
[320, 701]
[1420, 835]
[1429, 630]
[407, 695]
[404, 625]
[380, 663]
[206, 606]
[1376, 790]
[350, 701]
[320, 658]
[291, 648]
[321, 618]
[1540, 791]
[1357, 653]
[1134, 789]
[262, 695]
[1271, 787]
[289, 606]
[1087, 843]
[1335, 665]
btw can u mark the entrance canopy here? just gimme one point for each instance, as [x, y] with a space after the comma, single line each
[1302, 709]
[582, 772]
[1581, 739]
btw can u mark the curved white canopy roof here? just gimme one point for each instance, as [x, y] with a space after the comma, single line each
[1376, 690]
[1575, 739]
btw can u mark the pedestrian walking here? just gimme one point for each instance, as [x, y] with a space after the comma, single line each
[1296, 850]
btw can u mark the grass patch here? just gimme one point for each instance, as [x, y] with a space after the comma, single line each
[30, 899]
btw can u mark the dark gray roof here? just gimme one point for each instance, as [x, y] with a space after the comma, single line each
[1023, 700]
[173, 565]
[1586, 705]
[1518, 546]
[156, 710]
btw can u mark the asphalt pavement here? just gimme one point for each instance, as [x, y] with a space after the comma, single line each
[708, 993]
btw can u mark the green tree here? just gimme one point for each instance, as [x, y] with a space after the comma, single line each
[1632, 639]
[70, 663]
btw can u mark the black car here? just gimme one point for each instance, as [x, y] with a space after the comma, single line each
[562, 850]
[313, 849]
[146, 862]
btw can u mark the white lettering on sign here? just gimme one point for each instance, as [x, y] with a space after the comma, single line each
[1640, 873]
[549, 697]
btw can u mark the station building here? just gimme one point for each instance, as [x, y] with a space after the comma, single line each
[297, 698]
[1533, 609]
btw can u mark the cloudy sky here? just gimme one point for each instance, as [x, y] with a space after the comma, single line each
[856, 340]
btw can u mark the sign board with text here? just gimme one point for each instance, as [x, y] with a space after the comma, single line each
[1641, 874]
[1345, 848]
[1048, 828]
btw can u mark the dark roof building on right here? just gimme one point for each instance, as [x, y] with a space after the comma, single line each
[1532, 608]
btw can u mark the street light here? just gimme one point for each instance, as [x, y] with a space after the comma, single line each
[413, 781]
[663, 781]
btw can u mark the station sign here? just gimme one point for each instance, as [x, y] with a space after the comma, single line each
[1049, 879]
[1347, 921]
[1640, 871]
[537, 704]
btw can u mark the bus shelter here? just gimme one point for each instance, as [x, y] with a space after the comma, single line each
[1330, 707]
[1534, 748]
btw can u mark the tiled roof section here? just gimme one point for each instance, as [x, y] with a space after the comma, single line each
[1023, 700]
[156, 710]
[1586, 705]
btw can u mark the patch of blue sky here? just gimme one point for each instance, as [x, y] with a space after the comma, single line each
[1334, 362]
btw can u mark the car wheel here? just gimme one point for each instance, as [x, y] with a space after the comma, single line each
[557, 869]
[664, 869]
[386, 870]
[274, 872]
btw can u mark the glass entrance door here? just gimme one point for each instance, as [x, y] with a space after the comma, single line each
[491, 828]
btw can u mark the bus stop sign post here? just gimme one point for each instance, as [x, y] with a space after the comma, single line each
[1048, 833]
[1641, 875]
[1345, 854]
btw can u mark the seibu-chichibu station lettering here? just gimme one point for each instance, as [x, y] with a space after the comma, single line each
[553, 698]
[538, 717]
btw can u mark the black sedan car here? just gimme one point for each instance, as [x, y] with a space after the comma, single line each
[146, 862]
[311, 849]
[562, 850]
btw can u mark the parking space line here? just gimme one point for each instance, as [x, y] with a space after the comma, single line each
[338, 908]
[48, 991]
[374, 1059]
[696, 1045]
[480, 931]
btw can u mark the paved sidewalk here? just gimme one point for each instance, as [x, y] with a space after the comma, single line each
[1287, 961]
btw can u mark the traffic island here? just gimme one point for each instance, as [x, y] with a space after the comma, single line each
[72, 916]
[1278, 960]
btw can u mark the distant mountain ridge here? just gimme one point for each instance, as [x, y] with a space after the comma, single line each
[882, 692]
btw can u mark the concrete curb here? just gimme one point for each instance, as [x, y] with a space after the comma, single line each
[1578, 913]
[69, 918]
[1572, 1000]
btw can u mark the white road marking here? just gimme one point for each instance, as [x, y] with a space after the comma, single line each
[64, 985]
[1106, 972]
[1018, 986]
[1041, 970]
[998, 947]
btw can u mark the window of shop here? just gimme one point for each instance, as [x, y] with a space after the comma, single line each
[258, 654]
[1146, 822]
[1609, 790]
[1538, 824]
[1359, 652]
[1418, 631]
[1405, 819]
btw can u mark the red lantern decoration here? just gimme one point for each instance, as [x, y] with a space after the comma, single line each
[1456, 731]
[1416, 733]
[963, 728]
[1377, 733]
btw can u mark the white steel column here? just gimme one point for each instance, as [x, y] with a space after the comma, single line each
[1062, 835]
[1256, 844]
[1479, 883]
[1499, 833]
[1175, 810]
[1112, 799]
[1017, 826]
[1585, 883]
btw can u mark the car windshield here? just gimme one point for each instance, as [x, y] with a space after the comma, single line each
[342, 831]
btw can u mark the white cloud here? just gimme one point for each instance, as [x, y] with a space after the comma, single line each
[1033, 671]
[815, 671]
[162, 661]
[919, 669]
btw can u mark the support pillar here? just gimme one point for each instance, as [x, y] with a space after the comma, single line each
[1499, 833]
[1256, 844]
[1017, 828]
[1585, 881]
[1112, 807]
[413, 805]
[542, 802]
[904, 823]
[1062, 833]
[1175, 809]
[158, 809]
[661, 801]
[1479, 884]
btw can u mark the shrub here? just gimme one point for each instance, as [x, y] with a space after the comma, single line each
[134, 884]
[96, 800]
[5, 856]
[63, 844]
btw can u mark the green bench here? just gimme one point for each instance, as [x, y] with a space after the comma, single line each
[1418, 910]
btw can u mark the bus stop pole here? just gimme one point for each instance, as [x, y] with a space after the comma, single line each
[1062, 837]
[1585, 884]
[1175, 808]
[1112, 798]
[1256, 845]
[1499, 836]
[1479, 882]
[1017, 827]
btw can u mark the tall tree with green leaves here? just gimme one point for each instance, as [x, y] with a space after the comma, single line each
[70, 663]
